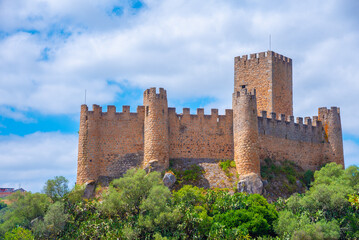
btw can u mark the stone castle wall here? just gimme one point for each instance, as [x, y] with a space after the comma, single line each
[112, 142]
[199, 135]
[115, 140]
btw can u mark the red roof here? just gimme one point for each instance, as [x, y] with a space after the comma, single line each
[2, 190]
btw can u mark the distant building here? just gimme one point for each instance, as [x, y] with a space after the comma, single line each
[4, 192]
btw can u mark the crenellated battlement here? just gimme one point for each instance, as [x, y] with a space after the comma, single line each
[151, 93]
[311, 130]
[112, 109]
[111, 112]
[262, 57]
[186, 116]
[325, 111]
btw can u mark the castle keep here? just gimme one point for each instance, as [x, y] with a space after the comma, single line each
[260, 125]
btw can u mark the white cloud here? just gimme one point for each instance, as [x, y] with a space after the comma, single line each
[31, 160]
[185, 46]
[18, 116]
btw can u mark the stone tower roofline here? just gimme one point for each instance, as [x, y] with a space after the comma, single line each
[332, 109]
[256, 57]
[151, 92]
[244, 92]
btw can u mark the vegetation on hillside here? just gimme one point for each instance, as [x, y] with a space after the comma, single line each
[283, 178]
[139, 206]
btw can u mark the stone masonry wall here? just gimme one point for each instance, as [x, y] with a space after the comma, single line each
[282, 88]
[112, 142]
[308, 155]
[333, 132]
[310, 131]
[115, 142]
[255, 72]
[271, 75]
[156, 152]
[245, 129]
[200, 136]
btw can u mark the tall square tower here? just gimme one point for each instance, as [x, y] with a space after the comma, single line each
[271, 75]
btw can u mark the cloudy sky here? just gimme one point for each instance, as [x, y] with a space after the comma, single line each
[51, 51]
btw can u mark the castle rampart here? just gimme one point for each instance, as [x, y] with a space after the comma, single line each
[112, 142]
[288, 129]
[201, 136]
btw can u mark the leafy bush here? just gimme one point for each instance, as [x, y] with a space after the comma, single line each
[192, 174]
[126, 194]
[139, 206]
[323, 212]
[53, 223]
[24, 208]
[308, 177]
[2, 205]
[76, 194]
[19, 233]
[189, 195]
[225, 165]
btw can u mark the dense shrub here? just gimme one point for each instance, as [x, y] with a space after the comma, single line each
[139, 206]
[19, 233]
[325, 211]
[24, 208]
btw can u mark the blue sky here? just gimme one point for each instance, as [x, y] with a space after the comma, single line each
[51, 51]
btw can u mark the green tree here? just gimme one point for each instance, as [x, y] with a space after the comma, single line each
[19, 233]
[53, 223]
[24, 208]
[323, 212]
[252, 214]
[76, 194]
[189, 195]
[302, 227]
[126, 194]
[2, 205]
[143, 203]
[56, 188]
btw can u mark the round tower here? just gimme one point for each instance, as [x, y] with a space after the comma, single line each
[333, 132]
[83, 171]
[245, 132]
[156, 143]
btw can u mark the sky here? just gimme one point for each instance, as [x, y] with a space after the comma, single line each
[52, 51]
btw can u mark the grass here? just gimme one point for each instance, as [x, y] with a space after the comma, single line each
[194, 173]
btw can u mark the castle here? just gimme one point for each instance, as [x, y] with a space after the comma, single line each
[260, 125]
